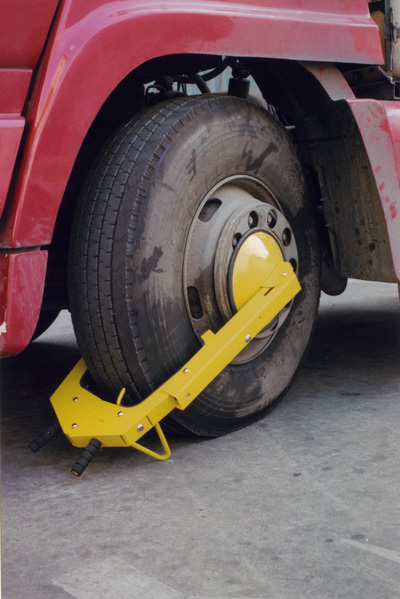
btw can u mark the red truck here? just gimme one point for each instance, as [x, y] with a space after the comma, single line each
[127, 187]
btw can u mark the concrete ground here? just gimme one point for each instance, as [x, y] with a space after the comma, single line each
[304, 504]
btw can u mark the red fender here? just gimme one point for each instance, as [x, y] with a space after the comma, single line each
[21, 290]
[379, 125]
[95, 44]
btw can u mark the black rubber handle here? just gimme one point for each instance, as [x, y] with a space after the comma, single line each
[86, 457]
[45, 437]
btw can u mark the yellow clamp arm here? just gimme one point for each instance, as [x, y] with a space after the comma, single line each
[84, 416]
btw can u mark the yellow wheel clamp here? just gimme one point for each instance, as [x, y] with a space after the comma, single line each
[91, 422]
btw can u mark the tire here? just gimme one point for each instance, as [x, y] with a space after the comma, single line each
[149, 226]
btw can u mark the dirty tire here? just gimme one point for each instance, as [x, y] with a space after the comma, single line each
[127, 256]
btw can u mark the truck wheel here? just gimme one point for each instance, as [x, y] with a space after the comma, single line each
[152, 246]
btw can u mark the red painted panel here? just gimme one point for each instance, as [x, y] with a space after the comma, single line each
[332, 80]
[21, 289]
[10, 136]
[96, 44]
[14, 84]
[379, 124]
[24, 25]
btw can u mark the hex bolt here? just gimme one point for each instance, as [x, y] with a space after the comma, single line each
[284, 274]
[120, 414]
[186, 370]
[75, 399]
[140, 428]
[248, 338]
[74, 425]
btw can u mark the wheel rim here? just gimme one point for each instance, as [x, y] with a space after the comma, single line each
[233, 211]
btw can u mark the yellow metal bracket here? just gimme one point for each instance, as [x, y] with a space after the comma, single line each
[90, 421]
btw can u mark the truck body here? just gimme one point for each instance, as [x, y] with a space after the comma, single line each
[71, 73]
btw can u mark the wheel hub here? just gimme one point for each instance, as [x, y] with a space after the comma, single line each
[254, 259]
[235, 240]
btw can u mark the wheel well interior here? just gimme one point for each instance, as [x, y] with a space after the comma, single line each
[303, 106]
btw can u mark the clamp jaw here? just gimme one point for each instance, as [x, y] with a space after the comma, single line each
[88, 421]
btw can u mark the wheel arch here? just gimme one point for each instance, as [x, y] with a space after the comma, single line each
[39, 227]
[323, 82]
[282, 84]
[95, 46]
